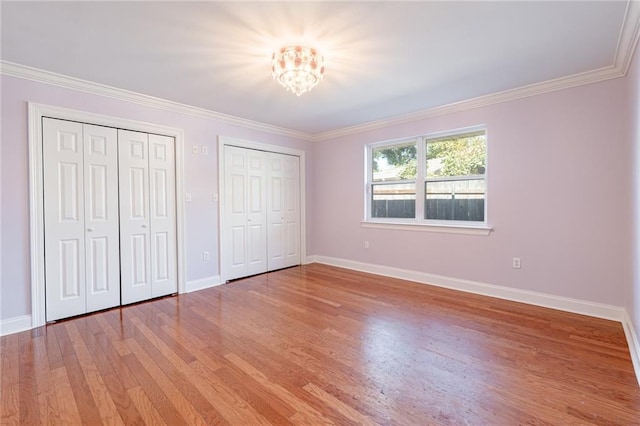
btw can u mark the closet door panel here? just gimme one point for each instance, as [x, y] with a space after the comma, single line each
[101, 217]
[233, 236]
[135, 247]
[291, 189]
[284, 211]
[275, 212]
[162, 201]
[256, 216]
[244, 239]
[235, 211]
[64, 219]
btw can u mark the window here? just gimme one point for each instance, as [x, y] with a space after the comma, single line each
[394, 181]
[447, 170]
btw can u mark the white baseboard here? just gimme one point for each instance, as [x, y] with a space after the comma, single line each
[634, 343]
[577, 306]
[202, 283]
[15, 325]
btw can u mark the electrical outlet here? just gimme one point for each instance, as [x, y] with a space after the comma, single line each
[215, 198]
[195, 149]
[205, 256]
[516, 263]
[366, 244]
[187, 197]
[205, 150]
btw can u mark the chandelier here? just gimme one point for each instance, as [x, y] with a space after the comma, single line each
[297, 68]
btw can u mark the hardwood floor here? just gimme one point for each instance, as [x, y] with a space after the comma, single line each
[321, 345]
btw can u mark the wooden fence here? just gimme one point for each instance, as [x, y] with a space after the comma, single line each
[438, 209]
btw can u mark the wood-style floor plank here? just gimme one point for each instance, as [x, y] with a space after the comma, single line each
[47, 399]
[110, 369]
[101, 395]
[86, 405]
[28, 395]
[305, 413]
[181, 403]
[154, 393]
[9, 380]
[69, 413]
[321, 345]
[148, 413]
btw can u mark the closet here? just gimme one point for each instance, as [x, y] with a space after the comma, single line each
[261, 224]
[109, 217]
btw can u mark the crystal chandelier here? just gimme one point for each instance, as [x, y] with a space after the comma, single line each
[297, 68]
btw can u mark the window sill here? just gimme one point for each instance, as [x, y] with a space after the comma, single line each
[447, 229]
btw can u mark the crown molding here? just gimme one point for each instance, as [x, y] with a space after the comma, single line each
[629, 35]
[627, 41]
[60, 80]
[574, 80]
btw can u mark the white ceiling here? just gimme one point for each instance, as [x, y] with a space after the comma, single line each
[383, 59]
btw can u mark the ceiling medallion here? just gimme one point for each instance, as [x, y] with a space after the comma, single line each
[297, 68]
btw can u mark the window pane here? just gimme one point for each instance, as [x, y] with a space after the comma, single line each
[394, 200]
[459, 155]
[397, 162]
[455, 200]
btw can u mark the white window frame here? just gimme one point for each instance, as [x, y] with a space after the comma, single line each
[419, 222]
[370, 183]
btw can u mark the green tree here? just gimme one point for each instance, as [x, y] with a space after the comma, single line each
[454, 156]
[399, 156]
[395, 156]
[458, 156]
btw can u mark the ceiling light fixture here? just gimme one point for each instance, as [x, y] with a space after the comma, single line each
[297, 68]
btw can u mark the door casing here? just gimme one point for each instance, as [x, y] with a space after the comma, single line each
[36, 190]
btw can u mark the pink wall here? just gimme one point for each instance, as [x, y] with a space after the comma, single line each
[201, 178]
[558, 198]
[565, 150]
[633, 79]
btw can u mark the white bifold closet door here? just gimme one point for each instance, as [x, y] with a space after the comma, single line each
[147, 216]
[262, 211]
[82, 272]
[283, 211]
[245, 212]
